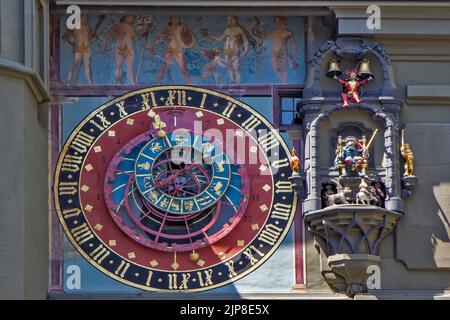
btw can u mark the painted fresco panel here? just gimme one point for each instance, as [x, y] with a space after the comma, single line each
[115, 49]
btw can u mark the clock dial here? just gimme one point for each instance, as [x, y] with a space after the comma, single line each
[175, 188]
[171, 203]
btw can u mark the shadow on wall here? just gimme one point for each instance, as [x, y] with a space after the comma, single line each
[441, 240]
[423, 234]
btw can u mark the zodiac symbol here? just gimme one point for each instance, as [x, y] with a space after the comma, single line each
[220, 167]
[207, 147]
[204, 201]
[147, 182]
[155, 147]
[176, 206]
[217, 187]
[144, 166]
[154, 195]
[163, 203]
[189, 205]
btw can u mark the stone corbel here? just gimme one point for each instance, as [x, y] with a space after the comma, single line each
[349, 237]
[298, 183]
[408, 185]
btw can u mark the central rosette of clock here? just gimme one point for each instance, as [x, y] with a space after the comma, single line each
[175, 192]
[184, 178]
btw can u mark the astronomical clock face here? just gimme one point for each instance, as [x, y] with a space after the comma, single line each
[175, 188]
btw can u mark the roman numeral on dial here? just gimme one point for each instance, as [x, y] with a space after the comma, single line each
[202, 103]
[149, 278]
[283, 187]
[122, 269]
[251, 123]
[146, 100]
[99, 253]
[177, 97]
[205, 278]
[280, 163]
[173, 281]
[82, 233]
[281, 211]
[121, 107]
[230, 266]
[67, 188]
[70, 213]
[71, 163]
[82, 141]
[104, 123]
[251, 253]
[270, 234]
[229, 110]
[268, 141]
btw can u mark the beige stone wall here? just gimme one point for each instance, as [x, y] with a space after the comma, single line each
[422, 240]
[11, 195]
[23, 195]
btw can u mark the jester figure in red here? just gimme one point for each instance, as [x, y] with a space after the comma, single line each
[351, 85]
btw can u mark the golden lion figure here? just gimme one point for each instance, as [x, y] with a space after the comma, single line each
[409, 159]
[295, 162]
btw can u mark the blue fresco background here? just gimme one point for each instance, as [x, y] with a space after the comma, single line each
[102, 65]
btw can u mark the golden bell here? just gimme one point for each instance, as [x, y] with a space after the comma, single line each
[333, 69]
[364, 70]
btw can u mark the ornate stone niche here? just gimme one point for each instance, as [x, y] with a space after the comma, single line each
[349, 128]
[349, 226]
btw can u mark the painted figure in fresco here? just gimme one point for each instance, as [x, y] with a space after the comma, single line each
[279, 54]
[351, 153]
[235, 48]
[179, 37]
[215, 60]
[124, 33]
[351, 85]
[80, 40]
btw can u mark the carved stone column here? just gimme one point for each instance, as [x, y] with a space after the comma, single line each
[308, 113]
